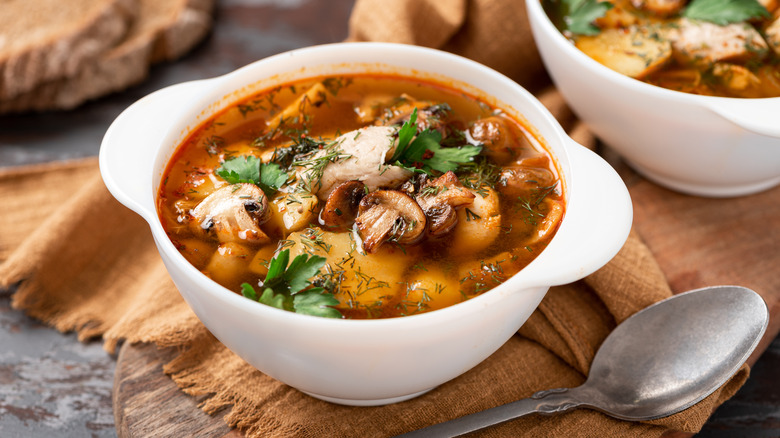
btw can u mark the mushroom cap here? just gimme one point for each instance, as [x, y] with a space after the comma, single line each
[342, 204]
[499, 142]
[521, 180]
[439, 198]
[233, 213]
[389, 215]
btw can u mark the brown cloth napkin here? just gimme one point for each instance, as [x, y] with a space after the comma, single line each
[80, 261]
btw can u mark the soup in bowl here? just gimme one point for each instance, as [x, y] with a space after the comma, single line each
[363, 221]
[688, 103]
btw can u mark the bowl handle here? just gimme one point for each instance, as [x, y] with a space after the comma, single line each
[596, 224]
[127, 152]
[755, 115]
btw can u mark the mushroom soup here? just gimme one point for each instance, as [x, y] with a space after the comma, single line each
[709, 47]
[361, 197]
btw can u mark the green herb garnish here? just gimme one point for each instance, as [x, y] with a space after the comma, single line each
[579, 15]
[248, 169]
[723, 12]
[289, 287]
[425, 153]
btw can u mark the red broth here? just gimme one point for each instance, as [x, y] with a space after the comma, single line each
[361, 196]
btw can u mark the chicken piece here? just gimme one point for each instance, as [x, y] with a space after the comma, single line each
[702, 43]
[772, 33]
[661, 8]
[357, 155]
[233, 213]
[635, 52]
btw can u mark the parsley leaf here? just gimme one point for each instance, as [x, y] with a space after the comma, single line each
[446, 159]
[286, 286]
[723, 12]
[271, 178]
[405, 135]
[315, 303]
[248, 169]
[240, 170]
[579, 15]
[425, 153]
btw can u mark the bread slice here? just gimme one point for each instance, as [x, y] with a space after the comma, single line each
[43, 40]
[164, 30]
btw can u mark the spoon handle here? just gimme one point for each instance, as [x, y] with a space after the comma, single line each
[548, 402]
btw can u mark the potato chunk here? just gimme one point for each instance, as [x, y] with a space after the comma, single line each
[478, 224]
[292, 211]
[478, 276]
[634, 52]
[366, 280]
[620, 15]
[430, 289]
[229, 264]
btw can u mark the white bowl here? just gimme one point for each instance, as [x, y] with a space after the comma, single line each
[366, 362]
[700, 145]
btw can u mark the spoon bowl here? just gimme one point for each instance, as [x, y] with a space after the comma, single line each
[660, 361]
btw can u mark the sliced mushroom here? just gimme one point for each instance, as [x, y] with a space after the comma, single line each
[342, 204]
[389, 215]
[233, 213]
[518, 181]
[550, 222]
[429, 115]
[495, 137]
[439, 199]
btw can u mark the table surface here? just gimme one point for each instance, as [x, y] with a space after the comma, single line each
[51, 384]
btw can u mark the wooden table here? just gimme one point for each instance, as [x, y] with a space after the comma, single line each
[52, 385]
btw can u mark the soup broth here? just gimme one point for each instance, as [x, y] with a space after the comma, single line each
[708, 47]
[361, 196]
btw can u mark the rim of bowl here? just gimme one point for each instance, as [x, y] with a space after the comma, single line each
[208, 97]
[546, 25]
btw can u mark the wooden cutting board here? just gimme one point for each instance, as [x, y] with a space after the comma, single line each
[697, 241]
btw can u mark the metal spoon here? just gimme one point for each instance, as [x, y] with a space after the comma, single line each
[661, 360]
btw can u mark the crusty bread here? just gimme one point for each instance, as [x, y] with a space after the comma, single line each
[163, 30]
[43, 40]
